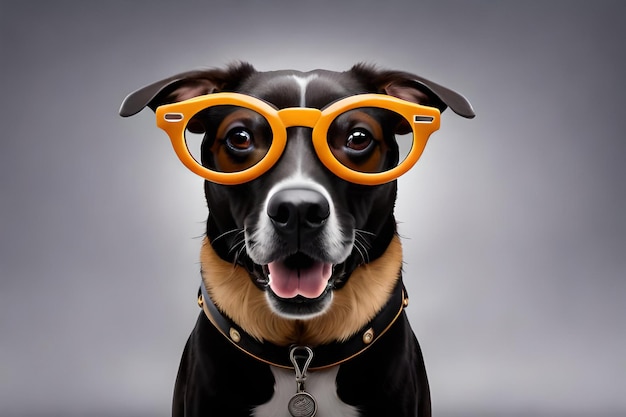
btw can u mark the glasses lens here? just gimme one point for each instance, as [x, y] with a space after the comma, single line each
[228, 138]
[370, 139]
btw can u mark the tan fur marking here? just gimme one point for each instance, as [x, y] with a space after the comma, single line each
[353, 306]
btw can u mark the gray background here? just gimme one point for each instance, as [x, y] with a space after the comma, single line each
[514, 224]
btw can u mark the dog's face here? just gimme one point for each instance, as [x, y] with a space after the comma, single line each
[304, 229]
[299, 230]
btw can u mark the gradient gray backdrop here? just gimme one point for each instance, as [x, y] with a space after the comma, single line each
[514, 223]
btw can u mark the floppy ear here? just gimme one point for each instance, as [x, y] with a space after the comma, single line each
[413, 88]
[184, 86]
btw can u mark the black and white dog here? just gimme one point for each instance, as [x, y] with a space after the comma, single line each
[302, 294]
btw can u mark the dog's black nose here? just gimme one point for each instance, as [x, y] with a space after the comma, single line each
[294, 211]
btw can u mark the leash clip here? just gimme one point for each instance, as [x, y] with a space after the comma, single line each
[302, 404]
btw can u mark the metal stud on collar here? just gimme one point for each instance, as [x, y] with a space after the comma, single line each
[368, 336]
[234, 335]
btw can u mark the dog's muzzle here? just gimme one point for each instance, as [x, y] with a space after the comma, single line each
[297, 215]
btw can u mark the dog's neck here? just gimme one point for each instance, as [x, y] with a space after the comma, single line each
[353, 306]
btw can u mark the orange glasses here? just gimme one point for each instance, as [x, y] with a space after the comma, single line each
[367, 139]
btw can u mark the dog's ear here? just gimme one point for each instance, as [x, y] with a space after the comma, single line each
[413, 88]
[184, 86]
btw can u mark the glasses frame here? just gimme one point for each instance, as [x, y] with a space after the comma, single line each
[173, 119]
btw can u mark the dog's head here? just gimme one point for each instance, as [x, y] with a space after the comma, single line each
[301, 225]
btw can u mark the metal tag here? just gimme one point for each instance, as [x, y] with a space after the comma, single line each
[302, 404]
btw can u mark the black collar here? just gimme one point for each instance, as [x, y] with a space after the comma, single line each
[325, 356]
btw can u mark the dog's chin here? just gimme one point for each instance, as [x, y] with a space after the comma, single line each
[299, 307]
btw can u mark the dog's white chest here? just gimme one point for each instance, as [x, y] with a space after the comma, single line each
[320, 384]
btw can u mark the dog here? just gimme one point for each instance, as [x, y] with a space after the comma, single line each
[301, 287]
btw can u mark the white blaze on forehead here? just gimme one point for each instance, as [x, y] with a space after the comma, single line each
[303, 82]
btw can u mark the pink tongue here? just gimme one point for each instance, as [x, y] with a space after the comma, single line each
[288, 283]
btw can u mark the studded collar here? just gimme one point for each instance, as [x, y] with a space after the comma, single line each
[325, 356]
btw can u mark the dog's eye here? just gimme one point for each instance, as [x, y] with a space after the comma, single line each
[239, 139]
[359, 140]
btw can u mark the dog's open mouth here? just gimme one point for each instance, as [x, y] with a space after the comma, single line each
[299, 275]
